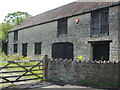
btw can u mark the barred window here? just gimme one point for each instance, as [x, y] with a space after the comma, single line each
[62, 26]
[37, 48]
[99, 23]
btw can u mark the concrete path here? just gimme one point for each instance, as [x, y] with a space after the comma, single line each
[39, 85]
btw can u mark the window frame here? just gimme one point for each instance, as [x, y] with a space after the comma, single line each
[36, 51]
[24, 48]
[98, 27]
[16, 35]
[95, 44]
[62, 28]
[15, 48]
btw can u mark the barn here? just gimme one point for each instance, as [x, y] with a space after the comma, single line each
[87, 29]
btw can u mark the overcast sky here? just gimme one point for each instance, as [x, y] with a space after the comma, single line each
[33, 7]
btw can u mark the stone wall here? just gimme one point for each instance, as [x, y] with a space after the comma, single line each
[74, 71]
[78, 34]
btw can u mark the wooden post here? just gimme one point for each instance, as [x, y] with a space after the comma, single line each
[45, 66]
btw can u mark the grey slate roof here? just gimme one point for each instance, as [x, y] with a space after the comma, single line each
[63, 11]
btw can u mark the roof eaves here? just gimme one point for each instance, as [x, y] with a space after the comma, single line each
[106, 6]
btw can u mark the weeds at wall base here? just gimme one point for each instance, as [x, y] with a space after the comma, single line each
[98, 84]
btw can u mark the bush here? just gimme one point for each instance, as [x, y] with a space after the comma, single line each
[4, 57]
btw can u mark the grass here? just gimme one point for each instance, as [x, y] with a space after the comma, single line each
[25, 64]
[16, 57]
[84, 82]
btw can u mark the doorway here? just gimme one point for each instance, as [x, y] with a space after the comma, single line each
[101, 51]
[62, 50]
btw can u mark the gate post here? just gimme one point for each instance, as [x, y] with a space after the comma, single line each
[45, 67]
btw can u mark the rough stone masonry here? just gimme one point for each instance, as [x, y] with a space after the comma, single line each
[70, 71]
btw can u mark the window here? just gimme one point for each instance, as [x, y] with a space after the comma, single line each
[100, 50]
[62, 26]
[15, 35]
[99, 23]
[24, 49]
[37, 48]
[15, 48]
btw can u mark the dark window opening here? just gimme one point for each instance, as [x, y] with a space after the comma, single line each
[62, 27]
[24, 49]
[101, 51]
[100, 23]
[15, 48]
[37, 48]
[62, 50]
[15, 35]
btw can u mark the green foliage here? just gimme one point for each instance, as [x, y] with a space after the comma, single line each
[84, 82]
[10, 21]
[3, 57]
[16, 18]
[4, 29]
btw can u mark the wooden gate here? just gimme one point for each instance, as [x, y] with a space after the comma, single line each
[23, 70]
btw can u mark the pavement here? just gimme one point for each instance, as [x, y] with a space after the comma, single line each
[39, 85]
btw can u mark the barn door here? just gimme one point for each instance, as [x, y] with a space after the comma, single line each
[62, 50]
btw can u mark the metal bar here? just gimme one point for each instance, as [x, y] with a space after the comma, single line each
[20, 71]
[5, 66]
[35, 74]
[23, 73]
[21, 80]
[20, 61]
[25, 70]
[20, 75]
[30, 70]
[5, 79]
[19, 66]
[36, 65]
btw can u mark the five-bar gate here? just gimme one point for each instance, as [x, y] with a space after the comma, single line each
[23, 70]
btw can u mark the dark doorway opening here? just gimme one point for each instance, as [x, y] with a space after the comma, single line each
[62, 50]
[101, 51]
[5, 47]
[24, 49]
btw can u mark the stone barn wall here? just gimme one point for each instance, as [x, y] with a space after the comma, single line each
[74, 71]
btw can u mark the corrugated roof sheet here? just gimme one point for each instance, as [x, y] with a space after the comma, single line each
[63, 11]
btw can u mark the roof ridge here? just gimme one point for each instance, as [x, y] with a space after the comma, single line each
[68, 10]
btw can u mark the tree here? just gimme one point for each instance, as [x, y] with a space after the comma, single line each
[4, 29]
[10, 21]
[16, 18]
